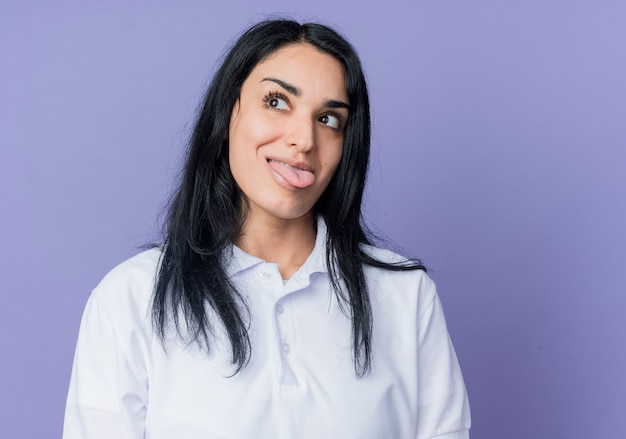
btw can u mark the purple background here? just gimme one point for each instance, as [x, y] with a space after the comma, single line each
[499, 158]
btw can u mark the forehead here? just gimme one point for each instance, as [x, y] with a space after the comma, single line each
[306, 67]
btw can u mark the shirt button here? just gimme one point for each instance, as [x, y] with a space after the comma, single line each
[280, 309]
[286, 348]
[264, 275]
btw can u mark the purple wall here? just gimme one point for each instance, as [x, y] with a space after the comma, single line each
[499, 158]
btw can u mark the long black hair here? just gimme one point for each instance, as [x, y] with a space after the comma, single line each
[207, 210]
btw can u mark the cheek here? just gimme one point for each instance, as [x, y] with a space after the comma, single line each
[331, 164]
[252, 129]
[334, 155]
[248, 132]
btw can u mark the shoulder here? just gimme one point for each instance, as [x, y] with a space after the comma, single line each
[412, 283]
[131, 282]
[382, 254]
[115, 330]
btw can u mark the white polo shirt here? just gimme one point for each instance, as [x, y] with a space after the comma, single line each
[300, 382]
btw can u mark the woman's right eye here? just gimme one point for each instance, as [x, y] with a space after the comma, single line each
[276, 101]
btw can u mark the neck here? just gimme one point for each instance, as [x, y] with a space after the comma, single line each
[287, 243]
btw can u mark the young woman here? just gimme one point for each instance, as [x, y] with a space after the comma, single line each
[266, 313]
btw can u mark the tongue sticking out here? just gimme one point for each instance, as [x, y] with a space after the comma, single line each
[296, 177]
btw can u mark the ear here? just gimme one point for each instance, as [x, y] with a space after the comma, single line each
[235, 113]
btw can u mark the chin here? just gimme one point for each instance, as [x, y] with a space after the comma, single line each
[291, 215]
[291, 212]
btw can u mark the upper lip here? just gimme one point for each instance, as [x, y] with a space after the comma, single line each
[290, 162]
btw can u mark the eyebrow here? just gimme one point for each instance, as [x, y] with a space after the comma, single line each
[287, 86]
[336, 104]
[292, 89]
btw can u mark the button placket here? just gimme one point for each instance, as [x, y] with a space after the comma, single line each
[282, 325]
[290, 375]
[284, 345]
[286, 348]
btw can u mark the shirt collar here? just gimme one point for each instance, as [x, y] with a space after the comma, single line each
[237, 260]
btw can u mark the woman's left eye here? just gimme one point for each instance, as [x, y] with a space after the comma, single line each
[331, 120]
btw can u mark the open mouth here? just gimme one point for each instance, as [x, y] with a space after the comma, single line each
[295, 175]
[287, 165]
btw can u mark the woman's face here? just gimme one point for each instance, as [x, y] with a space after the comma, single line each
[286, 131]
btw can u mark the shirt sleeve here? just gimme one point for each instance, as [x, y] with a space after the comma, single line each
[107, 393]
[442, 399]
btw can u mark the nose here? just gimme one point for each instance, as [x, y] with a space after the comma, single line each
[301, 134]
